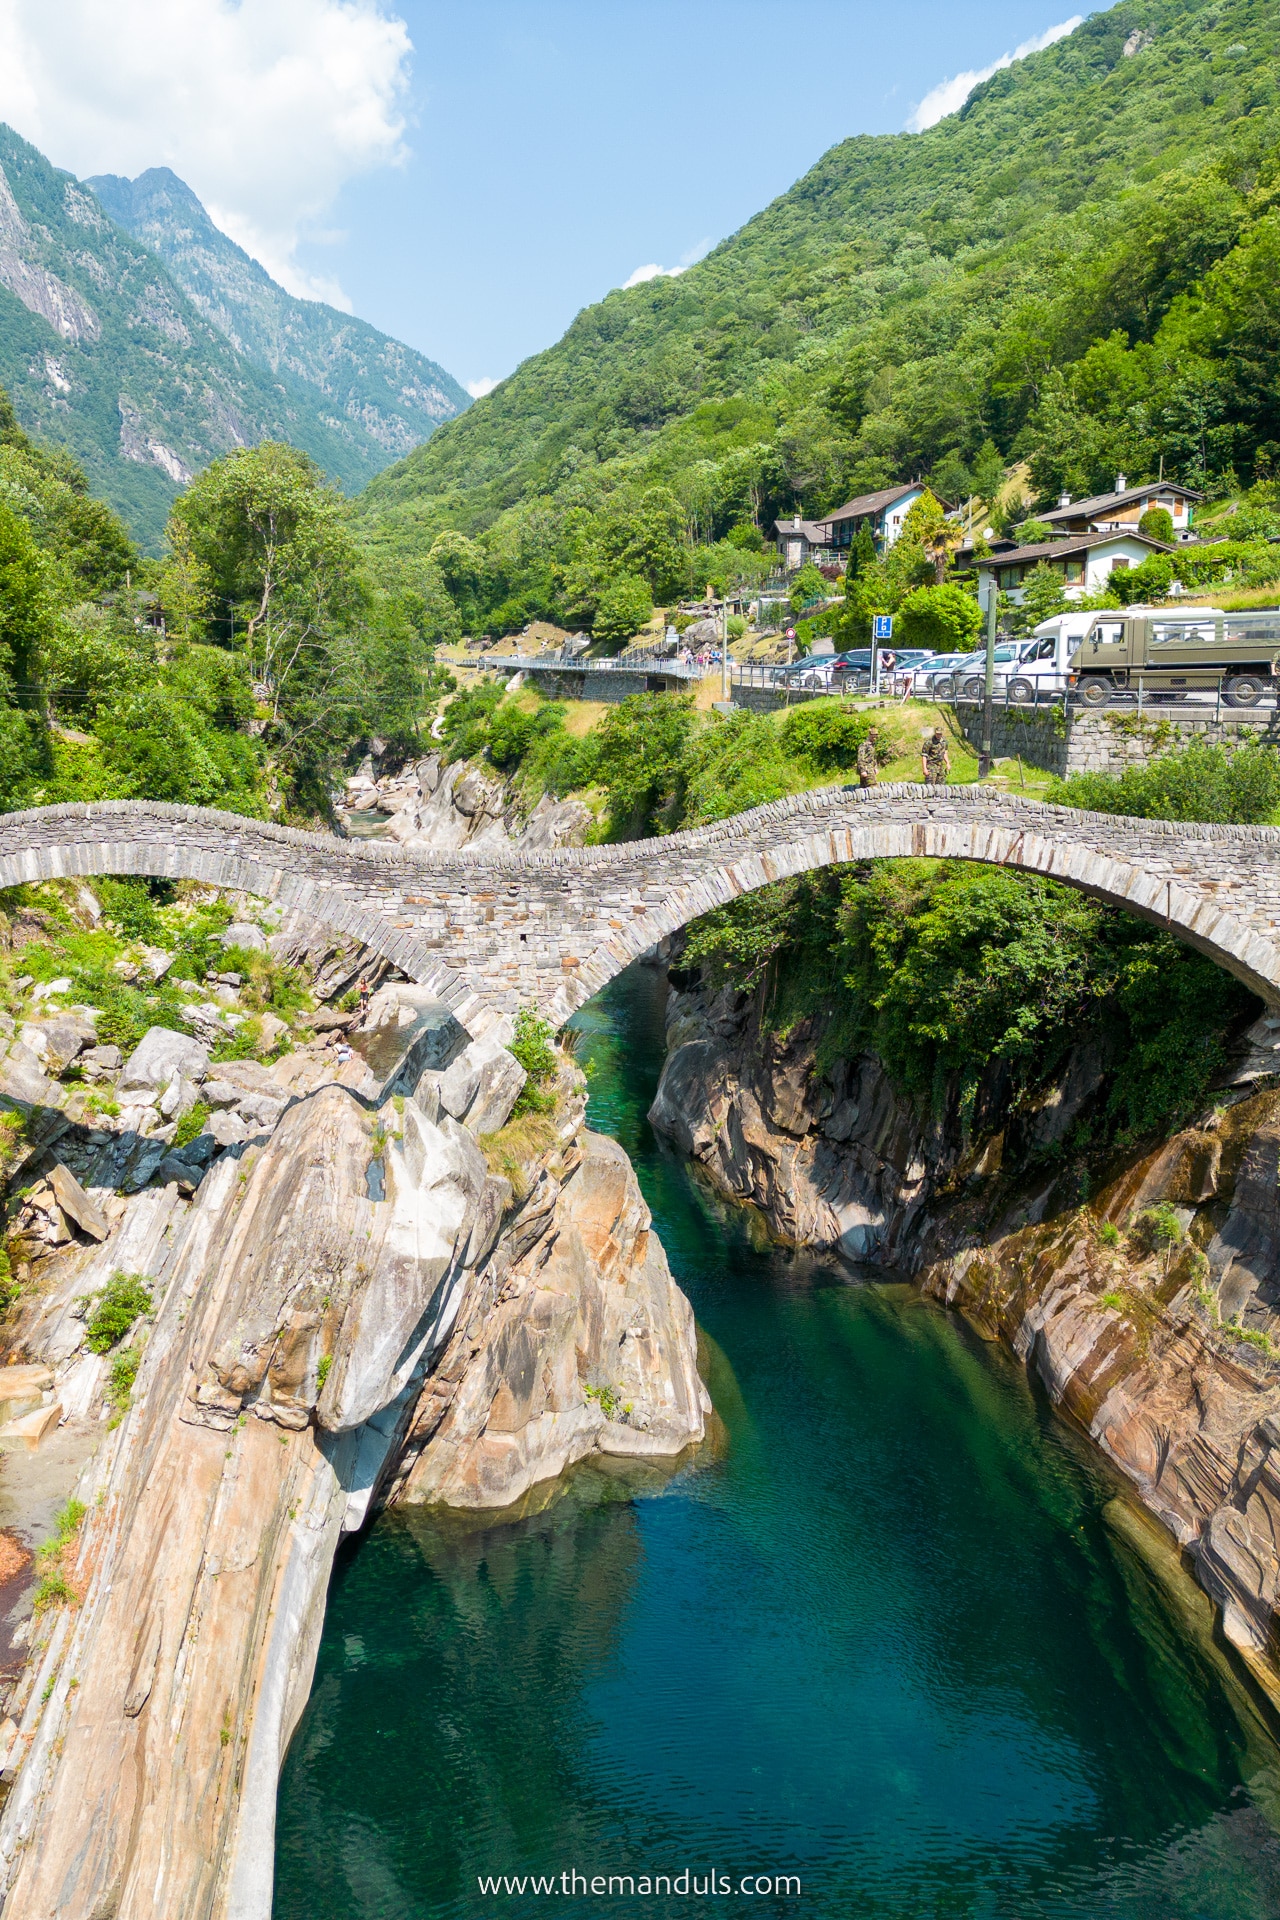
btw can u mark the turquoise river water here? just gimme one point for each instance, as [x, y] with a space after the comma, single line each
[893, 1635]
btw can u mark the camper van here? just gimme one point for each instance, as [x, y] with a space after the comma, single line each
[1171, 653]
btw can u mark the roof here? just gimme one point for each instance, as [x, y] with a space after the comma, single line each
[814, 531]
[1099, 501]
[1061, 549]
[867, 503]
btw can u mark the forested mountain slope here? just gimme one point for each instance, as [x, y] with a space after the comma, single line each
[105, 355]
[1079, 267]
[381, 387]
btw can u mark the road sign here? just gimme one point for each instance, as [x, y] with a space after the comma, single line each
[882, 626]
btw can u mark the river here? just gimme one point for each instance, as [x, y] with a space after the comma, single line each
[894, 1635]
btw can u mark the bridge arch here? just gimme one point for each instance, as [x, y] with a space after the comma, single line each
[488, 930]
[1189, 905]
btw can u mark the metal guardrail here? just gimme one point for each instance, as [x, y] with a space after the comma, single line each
[646, 662]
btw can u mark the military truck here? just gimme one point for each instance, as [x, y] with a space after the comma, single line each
[1173, 653]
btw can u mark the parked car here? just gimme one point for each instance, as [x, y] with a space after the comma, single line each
[940, 676]
[1008, 658]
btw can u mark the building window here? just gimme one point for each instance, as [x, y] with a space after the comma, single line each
[1121, 560]
[1074, 571]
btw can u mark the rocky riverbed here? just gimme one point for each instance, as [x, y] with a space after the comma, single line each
[362, 1279]
[1148, 1306]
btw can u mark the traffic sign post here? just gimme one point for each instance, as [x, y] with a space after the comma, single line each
[881, 629]
[988, 685]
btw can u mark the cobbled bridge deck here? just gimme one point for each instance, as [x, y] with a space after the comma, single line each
[489, 931]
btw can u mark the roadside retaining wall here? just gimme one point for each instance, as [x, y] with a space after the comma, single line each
[770, 700]
[1105, 742]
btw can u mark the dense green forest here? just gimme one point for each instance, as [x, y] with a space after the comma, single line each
[1077, 270]
[241, 677]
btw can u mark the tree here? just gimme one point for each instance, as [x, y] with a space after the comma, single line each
[1157, 524]
[642, 744]
[27, 610]
[622, 610]
[862, 553]
[274, 554]
[946, 619]
[1043, 595]
[988, 471]
[807, 587]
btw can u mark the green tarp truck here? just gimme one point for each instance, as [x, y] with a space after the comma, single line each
[1171, 654]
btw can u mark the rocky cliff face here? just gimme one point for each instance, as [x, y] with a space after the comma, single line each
[385, 389]
[373, 1287]
[1151, 1313]
[430, 806]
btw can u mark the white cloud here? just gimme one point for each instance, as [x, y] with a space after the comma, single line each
[950, 95]
[264, 107]
[478, 388]
[654, 272]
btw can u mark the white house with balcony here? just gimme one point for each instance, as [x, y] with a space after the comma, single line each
[1085, 562]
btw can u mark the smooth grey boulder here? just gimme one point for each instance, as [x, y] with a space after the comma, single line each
[481, 1086]
[227, 1128]
[243, 933]
[260, 1108]
[220, 1093]
[57, 1041]
[158, 1058]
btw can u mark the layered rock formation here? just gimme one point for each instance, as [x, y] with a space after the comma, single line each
[1152, 1313]
[428, 806]
[347, 1302]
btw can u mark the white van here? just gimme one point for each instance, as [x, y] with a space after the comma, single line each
[1045, 666]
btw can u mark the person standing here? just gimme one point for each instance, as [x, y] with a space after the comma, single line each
[868, 761]
[935, 759]
[364, 998]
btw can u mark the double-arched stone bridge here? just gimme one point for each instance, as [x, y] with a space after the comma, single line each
[491, 930]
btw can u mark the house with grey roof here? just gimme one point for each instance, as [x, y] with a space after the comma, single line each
[1084, 560]
[832, 534]
[1124, 507]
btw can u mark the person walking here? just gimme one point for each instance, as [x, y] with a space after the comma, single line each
[935, 759]
[868, 761]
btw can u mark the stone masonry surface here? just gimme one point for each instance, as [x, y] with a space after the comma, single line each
[491, 929]
[1109, 742]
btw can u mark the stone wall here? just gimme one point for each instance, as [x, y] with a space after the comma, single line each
[611, 685]
[1106, 742]
[774, 699]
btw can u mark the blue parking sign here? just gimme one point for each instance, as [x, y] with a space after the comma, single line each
[882, 626]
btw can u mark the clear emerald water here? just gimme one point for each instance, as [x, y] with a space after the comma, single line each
[893, 1636]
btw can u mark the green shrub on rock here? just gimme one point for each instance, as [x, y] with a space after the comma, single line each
[125, 1296]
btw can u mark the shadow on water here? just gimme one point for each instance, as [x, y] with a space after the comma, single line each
[897, 1636]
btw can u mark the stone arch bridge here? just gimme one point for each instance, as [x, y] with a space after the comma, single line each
[491, 930]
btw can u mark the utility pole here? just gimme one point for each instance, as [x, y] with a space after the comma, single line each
[989, 682]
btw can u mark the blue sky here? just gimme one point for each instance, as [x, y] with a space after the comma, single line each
[556, 146]
[469, 176]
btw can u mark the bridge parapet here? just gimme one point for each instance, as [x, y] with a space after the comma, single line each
[494, 928]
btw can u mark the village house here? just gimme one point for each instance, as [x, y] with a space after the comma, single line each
[1084, 562]
[1123, 508]
[831, 536]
